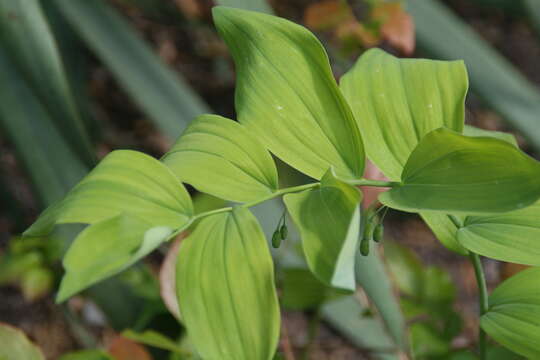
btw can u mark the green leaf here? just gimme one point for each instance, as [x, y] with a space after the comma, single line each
[106, 248]
[160, 92]
[398, 101]
[503, 87]
[254, 5]
[514, 313]
[221, 157]
[328, 218]
[155, 339]
[511, 237]
[14, 345]
[125, 181]
[25, 32]
[458, 174]
[477, 132]
[87, 355]
[225, 288]
[286, 94]
[443, 228]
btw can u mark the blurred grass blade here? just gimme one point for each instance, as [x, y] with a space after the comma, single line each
[445, 36]
[161, 93]
[371, 275]
[255, 5]
[52, 165]
[532, 7]
[348, 316]
[27, 36]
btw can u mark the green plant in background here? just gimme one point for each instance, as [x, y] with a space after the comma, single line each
[474, 189]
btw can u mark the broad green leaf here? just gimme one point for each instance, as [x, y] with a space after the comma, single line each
[52, 164]
[511, 236]
[286, 94]
[225, 288]
[160, 92]
[443, 228]
[14, 345]
[443, 34]
[124, 181]
[477, 132]
[221, 157]
[25, 32]
[513, 318]
[87, 355]
[458, 174]
[106, 248]
[398, 101]
[155, 339]
[328, 218]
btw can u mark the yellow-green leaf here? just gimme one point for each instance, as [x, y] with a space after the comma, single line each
[124, 181]
[513, 318]
[398, 101]
[106, 248]
[511, 236]
[286, 94]
[225, 288]
[453, 173]
[328, 218]
[221, 157]
[14, 345]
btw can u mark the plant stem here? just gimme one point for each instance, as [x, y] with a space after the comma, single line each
[484, 304]
[281, 192]
[378, 183]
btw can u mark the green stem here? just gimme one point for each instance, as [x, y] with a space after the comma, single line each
[378, 183]
[484, 304]
[282, 192]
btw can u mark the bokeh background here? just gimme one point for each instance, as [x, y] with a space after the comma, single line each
[79, 78]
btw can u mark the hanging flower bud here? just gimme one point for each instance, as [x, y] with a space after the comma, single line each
[364, 246]
[276, 239]
[378, 232]
[283, 231]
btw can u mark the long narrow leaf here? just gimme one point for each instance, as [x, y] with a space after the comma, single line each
[161, 93]
[52, 165]
[25, 32]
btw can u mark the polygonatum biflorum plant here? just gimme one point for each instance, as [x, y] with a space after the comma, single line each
[476, 190]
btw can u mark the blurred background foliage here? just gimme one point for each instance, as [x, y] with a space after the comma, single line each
[80, 78]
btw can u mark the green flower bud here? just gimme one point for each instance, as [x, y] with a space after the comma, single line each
[283, 231]
[276, 239]
[378, 232]
[364, 246]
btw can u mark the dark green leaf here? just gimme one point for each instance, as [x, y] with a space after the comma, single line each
[25, 31]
